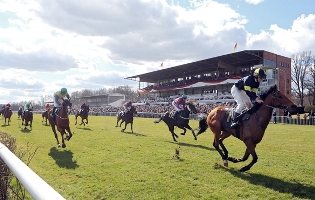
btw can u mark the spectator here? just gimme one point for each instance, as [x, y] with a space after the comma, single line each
[274, 114]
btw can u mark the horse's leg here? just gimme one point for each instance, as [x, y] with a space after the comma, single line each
[118, 119]
[171, 129]
[183, 128]
[62, 132]
[122, 130]
[87, 120]
[250, 149]
[82, 122]
[122, 121]
[75, 120]
[192, 131]
[55, 133]
[70, 134]
[131, 127]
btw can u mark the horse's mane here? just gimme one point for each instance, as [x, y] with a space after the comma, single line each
[264, 95]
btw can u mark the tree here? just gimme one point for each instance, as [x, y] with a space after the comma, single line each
[310, 84]
[299, 71]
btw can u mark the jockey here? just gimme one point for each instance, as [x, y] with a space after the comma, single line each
[127, 107]
[244, 91]
[9, 106]
[179, 104]
[82, 108]
[47, 107]
[58, 98]
[28, 106]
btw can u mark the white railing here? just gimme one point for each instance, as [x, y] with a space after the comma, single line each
[36, 186]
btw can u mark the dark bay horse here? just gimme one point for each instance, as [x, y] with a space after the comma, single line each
[182, 120]
[20, 112]
[45, 116]
[251, 130]
[27, 118]
[84, 115]
[62, 123]
[7, 115]
[128, 118]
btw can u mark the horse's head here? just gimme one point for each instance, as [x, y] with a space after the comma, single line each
[274, 98]
[191, 107]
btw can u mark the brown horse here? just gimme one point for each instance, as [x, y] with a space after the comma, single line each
[128, 118]
[7, 115]
[62, 122]
[181, 121]
[84, 115]
[20, 112]
[45, 116]
[252, 128]
[27, 119]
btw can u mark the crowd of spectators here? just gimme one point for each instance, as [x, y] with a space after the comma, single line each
[156, 109]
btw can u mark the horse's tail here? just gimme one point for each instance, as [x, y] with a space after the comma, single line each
[202, 125]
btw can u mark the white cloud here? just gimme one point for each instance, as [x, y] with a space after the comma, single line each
[255, 2]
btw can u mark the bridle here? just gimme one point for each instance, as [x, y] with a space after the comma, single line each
[274, 98]
[190, 111]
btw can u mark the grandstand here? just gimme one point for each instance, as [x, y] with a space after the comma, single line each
[113, 99]
[210, 80]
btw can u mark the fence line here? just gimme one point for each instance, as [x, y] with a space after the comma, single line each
[280, 119]
[36, 186]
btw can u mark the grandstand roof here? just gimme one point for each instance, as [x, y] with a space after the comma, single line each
[241, 58]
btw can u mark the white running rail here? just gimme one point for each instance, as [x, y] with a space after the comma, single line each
[36, 186]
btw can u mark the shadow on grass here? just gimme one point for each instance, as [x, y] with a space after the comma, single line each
[63, 158]
[4, 125]
[297, 189]
[46, 124]
[84, 128]
[25, 130]
[136, 134]
[193, 145]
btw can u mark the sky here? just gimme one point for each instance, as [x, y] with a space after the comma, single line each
[95, 44]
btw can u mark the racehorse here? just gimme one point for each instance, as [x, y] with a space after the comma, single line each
[83, 115]
[27, 118]
[128, 118]
[20, 112]
[252, 128]
[181, 121]
[7, 115]
[45, 116]
[62, 123]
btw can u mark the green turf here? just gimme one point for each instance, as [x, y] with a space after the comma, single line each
[100, 162]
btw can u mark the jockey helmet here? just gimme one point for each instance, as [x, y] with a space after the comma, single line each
[259, 72]
[184, 96]
[27, 104]
[63, 90]
[130, 102]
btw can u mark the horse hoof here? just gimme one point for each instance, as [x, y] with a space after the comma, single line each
[59, 145]
[63, 145]
[225, 163]
[69, 137]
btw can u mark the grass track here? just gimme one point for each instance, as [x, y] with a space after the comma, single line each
[100, 162]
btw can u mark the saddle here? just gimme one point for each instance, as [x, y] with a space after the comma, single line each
[245, 115]
[172, 113]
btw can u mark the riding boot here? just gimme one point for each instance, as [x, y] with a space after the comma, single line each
[53, 113]
[236, 120]
[175, 115]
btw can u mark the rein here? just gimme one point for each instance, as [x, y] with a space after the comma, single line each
[189, 109]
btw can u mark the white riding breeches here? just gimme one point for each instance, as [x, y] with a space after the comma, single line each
[57, 102]
[175, 106]
[241, 98]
